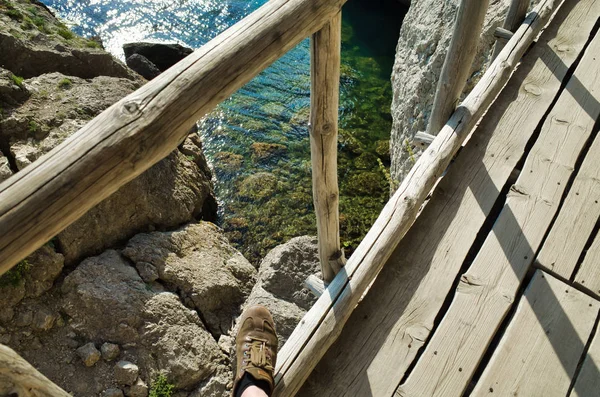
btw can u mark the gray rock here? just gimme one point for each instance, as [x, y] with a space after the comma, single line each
[219, 385]
[5, 171]
[138, 389]
[424, 39]
[143, 66]
[113, 392]
[24, 318]
[280, 285]
[162, 55]
[147, 271]
[88, 354]
[110, 351]
[43, 320]
[126, 373]
[198, 261]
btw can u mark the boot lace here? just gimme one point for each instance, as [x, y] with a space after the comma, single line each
[256, 354]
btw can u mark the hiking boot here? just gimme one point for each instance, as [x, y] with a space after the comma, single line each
[256, 347]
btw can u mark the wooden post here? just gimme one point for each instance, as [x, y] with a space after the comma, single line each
[323, 323]
[458, 63]
[325, 46]
[18, 377]
[141, 129]
[514, 18]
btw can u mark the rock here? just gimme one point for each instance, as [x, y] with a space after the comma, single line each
[421, 51]
[160, 54]
[259, 186]
[113, 392]
[89, 354]
[228, 162]
[219, 385]
[143, 66]
[5, 171]
[138, 389]
[176, 343]
[264, 151]
[11, 93]
[43, 320]
[24, 318]
[110, 351]
[30, 52]
[198, 261]
[126, 373]
[147, 271]
[280, 284]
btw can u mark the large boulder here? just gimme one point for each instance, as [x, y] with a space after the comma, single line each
[47, 46]
[199, 262]
[424, 40]
[280, 284]
[162, 55]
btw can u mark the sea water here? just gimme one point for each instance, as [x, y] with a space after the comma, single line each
[257, 140]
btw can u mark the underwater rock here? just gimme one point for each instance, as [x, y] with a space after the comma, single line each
[265, 151]
[259, 186]
[227, 161]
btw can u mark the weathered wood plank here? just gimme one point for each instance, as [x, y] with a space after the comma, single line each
[138, 131]
[18, 377]
[576, 221]
[486, 291]
[322, 325]
[514, 17]
[315, 285]
[588, 381]
[392, 322]
[458, 62]
[325, 47]
[588, 275]
[539, 352]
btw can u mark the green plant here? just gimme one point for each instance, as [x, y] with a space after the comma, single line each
[14, 14]
[44, 94]
[17, 80]
[14, 276]
[409, 150]
[65, 33]
[65, 83]
[27, 23]
[161, 387]
[92, 44]
[33, 127]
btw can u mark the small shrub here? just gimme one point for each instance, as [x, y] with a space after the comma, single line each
[17, 80]
[92, 44]
[14, 276]
[39, 22]
[27, 23]
[14, 14]
[161, 387]
[65, 83]
[33, 127]
[65, 33]
[409, 151]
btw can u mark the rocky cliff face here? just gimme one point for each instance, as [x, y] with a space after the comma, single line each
[424, 40]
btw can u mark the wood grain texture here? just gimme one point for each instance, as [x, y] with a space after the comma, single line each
[588, 275]
[459, 60]
[486, 291]
[540, 350]
[576, 220]
[322, 325]
[325, 47]
[386, 330]
[588, 380]
[144, 127]
[514, 18]
[19, 377]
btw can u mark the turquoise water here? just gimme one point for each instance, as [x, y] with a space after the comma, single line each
[257, 140]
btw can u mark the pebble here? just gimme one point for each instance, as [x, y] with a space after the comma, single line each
[89, 354]
[126, 373]
[110, 351]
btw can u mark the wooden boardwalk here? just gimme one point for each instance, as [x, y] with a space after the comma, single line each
[495, 290]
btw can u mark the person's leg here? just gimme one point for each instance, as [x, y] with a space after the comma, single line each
[253, 391]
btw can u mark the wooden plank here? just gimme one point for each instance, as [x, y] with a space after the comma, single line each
[144, 127]
[459, 59]
[315, 285]
[588, 382]
[588, 275]
[486, 291]
[18, 377]
[514, 18]
[386, 330]
[322, 325]
[575, 223]
[325, 47]
[539, 352]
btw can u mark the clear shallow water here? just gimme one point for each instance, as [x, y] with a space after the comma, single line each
[258, 140]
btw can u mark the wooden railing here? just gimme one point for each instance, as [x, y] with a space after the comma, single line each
[141, 129]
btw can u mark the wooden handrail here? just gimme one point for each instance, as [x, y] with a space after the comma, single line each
[323, 323]
[325, 47]
[144, 127]
[514, 17]
[458, 63]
